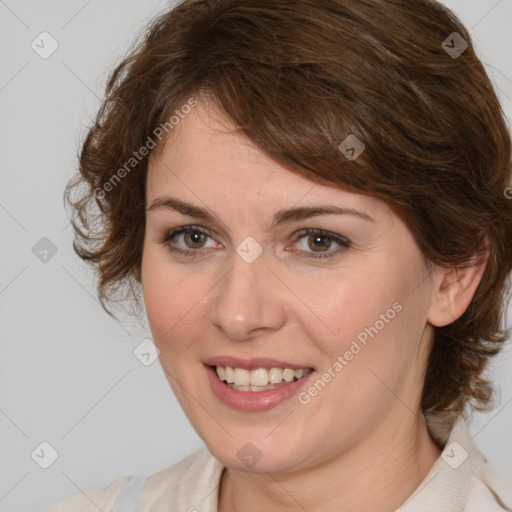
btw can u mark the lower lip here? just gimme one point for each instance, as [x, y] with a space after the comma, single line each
[253, 400]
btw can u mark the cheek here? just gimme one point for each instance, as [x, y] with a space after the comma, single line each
[364, 323]
[170, 296]
[348, 306]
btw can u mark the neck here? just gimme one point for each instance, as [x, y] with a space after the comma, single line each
[379, 474]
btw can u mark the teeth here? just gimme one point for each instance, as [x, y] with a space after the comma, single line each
[242, 377]
[221, 372]
[275, 375]
[288, 374]
[299, 374]
[229, 374]
[259, 379]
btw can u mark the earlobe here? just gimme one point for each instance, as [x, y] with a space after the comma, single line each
[455, 289]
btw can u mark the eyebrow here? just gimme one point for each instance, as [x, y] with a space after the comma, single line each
[281, 217]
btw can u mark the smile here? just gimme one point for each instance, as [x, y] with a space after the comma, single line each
[257, 384]
[259, 379]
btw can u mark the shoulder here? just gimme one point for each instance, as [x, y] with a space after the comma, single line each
[191, 483]
[488, 493]
[170, 486]
[461, 478]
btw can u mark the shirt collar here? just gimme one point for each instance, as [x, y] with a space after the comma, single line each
[448, 483]
[446, 487]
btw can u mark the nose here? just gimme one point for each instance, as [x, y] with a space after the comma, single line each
[248, 302]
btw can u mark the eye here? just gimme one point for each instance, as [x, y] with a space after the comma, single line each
[193, 238]
[322, 240]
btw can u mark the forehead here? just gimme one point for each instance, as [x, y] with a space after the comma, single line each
[207, 160]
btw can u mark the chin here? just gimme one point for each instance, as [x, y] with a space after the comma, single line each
[253, 450]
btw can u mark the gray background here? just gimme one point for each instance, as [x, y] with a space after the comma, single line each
[68, 375]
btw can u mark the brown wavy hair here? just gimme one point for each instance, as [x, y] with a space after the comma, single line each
[297, 78]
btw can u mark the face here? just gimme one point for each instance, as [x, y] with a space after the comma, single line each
[317, 316]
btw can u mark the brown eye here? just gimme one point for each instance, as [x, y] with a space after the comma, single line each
[187, 240]
[194, 239]
[319, 242]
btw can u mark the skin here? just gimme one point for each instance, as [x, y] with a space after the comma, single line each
[361, 443]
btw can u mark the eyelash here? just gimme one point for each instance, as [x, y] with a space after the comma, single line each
[341, 241]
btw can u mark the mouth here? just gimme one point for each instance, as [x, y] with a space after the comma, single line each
[258, 379]
[255, 384]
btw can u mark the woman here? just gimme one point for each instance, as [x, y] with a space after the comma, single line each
[310, 200]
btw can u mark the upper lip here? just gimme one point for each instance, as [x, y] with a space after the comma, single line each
[253, 363]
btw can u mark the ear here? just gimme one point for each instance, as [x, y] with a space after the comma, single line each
[455, 288]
